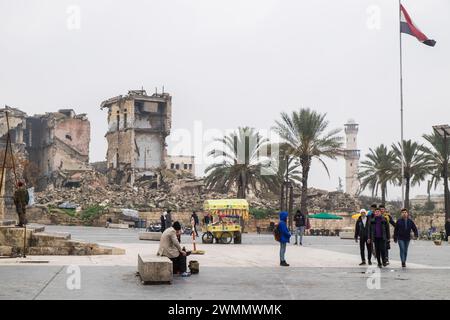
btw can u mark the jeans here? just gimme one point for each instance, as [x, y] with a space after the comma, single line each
[403, 245]
[380, 250]
[282, 251]
[299, 234]
[362, 245]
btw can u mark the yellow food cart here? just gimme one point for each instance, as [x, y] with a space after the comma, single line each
[227, 214]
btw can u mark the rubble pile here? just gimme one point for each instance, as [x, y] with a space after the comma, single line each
[179, 194]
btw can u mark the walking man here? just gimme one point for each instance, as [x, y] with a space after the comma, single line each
[379, 236]
[300, 223]
[362, 231]
[162, 219]
[447, 229]
[169, 218]
[194, 222]
[391, 222]
[21, 199]
[285, 236]
[402, 234]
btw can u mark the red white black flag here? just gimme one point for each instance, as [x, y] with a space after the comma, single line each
[407, 26]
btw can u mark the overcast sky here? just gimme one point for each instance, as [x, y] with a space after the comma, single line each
[232, 63]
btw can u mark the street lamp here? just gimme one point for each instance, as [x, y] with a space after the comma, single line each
[444, 131]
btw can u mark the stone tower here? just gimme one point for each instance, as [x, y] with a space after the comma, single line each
[352, 155]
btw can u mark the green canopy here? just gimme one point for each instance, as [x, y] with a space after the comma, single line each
[324, 215]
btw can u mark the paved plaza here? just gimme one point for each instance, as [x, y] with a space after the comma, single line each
[324, 268]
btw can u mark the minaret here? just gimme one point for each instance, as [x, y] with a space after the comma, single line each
[351, 158]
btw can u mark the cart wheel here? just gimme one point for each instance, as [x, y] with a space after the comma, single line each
[207, 237]
[226, 237]
[237, 238]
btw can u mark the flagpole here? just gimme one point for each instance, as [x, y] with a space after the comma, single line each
[401, 104]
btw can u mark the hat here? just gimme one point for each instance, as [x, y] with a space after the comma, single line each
[362, 211]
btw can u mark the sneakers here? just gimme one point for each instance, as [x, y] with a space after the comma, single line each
[186, 274]
[362, 263]
[385, 264]
[295, 243]
[403, 264]
[284, 264]
[370, 263]
[379, 266]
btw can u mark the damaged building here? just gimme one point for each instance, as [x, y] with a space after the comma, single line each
[138, 125]
[58, 146]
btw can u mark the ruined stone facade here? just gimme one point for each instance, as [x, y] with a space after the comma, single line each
[58, 144]
[182, 164]
[138, 125]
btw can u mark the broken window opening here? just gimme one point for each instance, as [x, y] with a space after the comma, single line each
[68, 137]
[118, 122]
[185, 166]
[125, 120]
[172, 166]
[177, 167]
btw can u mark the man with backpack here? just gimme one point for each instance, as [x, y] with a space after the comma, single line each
[282, 235]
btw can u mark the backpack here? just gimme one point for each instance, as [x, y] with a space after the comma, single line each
[276, 232]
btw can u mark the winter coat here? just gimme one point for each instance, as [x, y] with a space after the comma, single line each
[285, 235]
[384, 228]
[361, 231]
[169, 246]
[300, 220]
[403, 229]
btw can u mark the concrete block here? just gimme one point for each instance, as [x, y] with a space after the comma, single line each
[36, 227]
[5, 223]
[5, 251]
[49, 251]
[155, 269]
[118, 226]
[12, 236]
[154, 236]
[107, 250]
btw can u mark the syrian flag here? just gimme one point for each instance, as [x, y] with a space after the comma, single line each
[407, 26]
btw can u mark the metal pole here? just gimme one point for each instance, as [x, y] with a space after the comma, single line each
[401, 105]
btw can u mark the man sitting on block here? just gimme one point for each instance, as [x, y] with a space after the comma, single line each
[170, 247]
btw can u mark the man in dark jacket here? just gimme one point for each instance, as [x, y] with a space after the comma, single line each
[362, 231]
[447, 229]
[162, 219]
[21, 199]
[379, 236]
[300, 224]
[391, 222]
[285, 236]
[402, 234]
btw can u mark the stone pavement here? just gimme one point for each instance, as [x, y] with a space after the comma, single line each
[325, 268]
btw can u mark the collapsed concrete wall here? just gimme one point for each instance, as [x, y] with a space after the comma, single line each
[138, 125]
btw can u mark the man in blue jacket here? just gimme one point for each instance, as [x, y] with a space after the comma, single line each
[402, 234]
[285, 236]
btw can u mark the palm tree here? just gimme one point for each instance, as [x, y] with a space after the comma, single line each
[242, 163]
[436, 156]
[377, 171]
[304, 132]
[416, 165]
